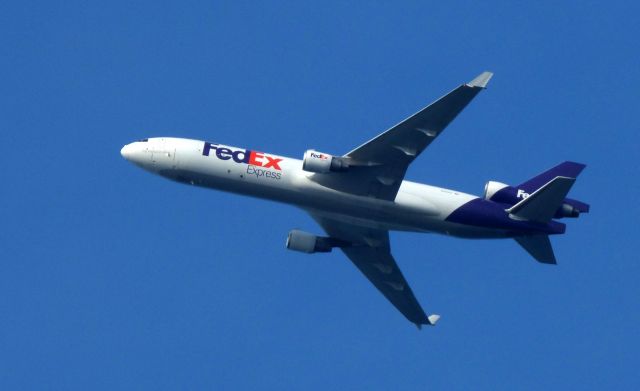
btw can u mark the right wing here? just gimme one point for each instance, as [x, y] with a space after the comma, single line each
[377, 167]
[371, 253]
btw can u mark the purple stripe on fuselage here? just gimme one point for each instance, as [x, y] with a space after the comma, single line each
[488, 214]
[508, 195]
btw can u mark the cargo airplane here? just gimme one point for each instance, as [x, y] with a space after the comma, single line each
[357, 198]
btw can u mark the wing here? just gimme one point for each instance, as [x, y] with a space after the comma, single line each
[371, 253]
[378, 166]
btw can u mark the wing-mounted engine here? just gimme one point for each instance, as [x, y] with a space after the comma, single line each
[323, 163]
[309, 243]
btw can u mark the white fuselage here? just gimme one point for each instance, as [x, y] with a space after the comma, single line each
[417, 207]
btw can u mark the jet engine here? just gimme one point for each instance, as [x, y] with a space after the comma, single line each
[323, 163]
[491, 188]
[567, 210]
[308, 243]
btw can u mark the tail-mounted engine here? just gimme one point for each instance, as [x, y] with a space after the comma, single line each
[322, 163]
[567, 210]
[491, 188]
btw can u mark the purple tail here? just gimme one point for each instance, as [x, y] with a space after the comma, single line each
[511, 195]
[568, 169]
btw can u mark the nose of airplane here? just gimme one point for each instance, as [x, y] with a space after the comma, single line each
[139, 153]
[126, 151]
[134, 152]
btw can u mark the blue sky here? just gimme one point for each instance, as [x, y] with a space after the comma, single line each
[112, 278]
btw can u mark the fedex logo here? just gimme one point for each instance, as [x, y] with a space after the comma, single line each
[242, 156]
[522, 194]
[319, 156]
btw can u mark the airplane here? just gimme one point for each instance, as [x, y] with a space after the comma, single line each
[357, 198]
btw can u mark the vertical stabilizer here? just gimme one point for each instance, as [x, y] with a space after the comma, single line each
[566, 169]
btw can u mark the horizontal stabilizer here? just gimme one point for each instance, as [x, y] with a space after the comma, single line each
[539, 246]
[544, 202]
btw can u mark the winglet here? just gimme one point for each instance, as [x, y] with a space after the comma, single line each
[433, 319]
[481, 80]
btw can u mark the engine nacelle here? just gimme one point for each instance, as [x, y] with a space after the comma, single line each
[567, 210]
[323, 163]
[491, 188]
[307, 243]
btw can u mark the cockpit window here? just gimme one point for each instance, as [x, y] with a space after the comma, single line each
[144, 140]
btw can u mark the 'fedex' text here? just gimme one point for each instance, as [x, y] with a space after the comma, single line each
[245, 156]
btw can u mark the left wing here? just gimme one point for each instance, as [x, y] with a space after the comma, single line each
[377, 167]
[371, 253]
